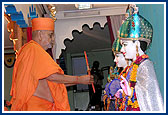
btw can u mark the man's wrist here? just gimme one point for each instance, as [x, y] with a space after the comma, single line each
[77, 79]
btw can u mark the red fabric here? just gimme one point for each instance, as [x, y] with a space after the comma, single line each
[57, 60]
[110, 29]
[29, 34]
[49, 51]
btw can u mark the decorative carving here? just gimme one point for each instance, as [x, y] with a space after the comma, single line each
[9, 59]
[74, 24]
[15, 22]
[65, 25]
[52, 10]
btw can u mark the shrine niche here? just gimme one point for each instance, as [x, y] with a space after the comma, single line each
[16, 26]
[19, 31]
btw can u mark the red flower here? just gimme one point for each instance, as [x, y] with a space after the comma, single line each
[129, 108]
[136, 109]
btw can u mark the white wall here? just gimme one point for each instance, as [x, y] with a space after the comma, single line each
[65, 25]
[64, 28]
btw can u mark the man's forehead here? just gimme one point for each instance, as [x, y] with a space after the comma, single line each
[51, 32]
[48, 31]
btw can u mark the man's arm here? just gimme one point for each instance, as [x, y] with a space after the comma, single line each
[70, 80]
[69, 84]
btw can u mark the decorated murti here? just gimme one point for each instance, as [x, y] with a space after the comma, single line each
[135, 35]
[113, 91]
[110, 89]
[120, 62]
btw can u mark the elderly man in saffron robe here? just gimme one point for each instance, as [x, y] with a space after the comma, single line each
[38, 83]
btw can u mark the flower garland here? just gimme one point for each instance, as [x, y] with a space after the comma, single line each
[106, 98]
[121, 105]
[134, 105]
[133, 73]
[124, 72]
[135, 66]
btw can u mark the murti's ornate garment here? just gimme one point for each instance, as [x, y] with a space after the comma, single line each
[111, 88]
[146, 94]
[106, 97]
[147, 88]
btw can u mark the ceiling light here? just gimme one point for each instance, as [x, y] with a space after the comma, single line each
[83, 6]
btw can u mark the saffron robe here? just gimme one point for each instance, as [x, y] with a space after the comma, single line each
[34, 105]
[5, 109]
[32, 64]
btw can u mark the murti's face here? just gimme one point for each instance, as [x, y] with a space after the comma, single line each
[120, 60]
[128, 49]
[48, 39]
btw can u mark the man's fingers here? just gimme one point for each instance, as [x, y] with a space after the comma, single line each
[91, 78]
[122, 77]
[122, 81]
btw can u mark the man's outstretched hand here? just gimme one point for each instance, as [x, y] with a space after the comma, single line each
[85, 79]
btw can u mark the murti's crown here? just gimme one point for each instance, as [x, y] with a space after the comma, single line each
[135, 27]
[116, 46]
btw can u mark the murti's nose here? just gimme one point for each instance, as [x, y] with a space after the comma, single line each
[122, 50]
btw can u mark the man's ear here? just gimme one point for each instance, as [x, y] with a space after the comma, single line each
[39, 35]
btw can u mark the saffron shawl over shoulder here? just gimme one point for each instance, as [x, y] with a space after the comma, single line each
[32, 64]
